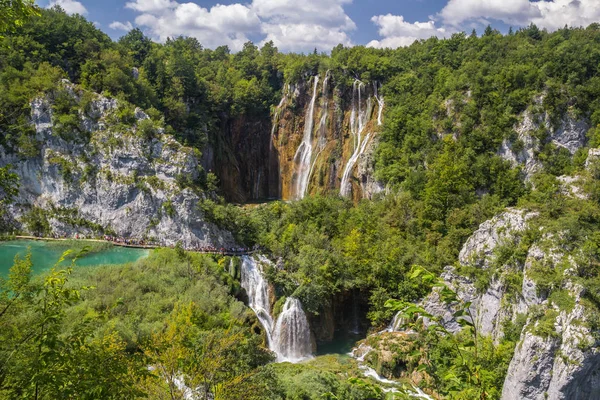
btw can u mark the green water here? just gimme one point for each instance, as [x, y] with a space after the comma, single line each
[342, 343]
[45, 256]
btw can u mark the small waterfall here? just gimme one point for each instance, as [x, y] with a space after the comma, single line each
[358, 121]
[257, 288]
[393, 326]
[391, 386]
[289, 337]
[355, 323]
[303, 156]
[380, 102]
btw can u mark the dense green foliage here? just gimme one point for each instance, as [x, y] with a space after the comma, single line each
[91, 333]
[450, 104]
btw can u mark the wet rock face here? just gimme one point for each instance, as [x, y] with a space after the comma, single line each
[334, 140]
[119, 180]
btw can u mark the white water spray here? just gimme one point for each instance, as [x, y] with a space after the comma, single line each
[257, 289]
[289, 336]
[358, 121]
[380, 102]
[303, 156]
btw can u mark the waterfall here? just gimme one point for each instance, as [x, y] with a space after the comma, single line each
[257, 288]
[358, 121]
[289, 336]
[355, 324]
[322, 130]
[303, 156]
[380, 102]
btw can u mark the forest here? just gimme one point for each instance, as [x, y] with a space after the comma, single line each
[451, 103]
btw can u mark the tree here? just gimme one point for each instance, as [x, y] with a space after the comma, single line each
[137, 44]
[14, 13]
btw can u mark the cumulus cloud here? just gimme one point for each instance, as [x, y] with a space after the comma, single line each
[459, 15]
[397, 32]
[219, 25]
[70, 6]
[121, 26]
[304, 25]
[544, 13]
[291, 25]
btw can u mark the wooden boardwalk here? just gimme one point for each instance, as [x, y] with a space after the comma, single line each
[225, 252]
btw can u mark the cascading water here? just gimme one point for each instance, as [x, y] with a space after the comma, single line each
[303, 157]
[322, 129]
[257, 289]
[380, 102]
[358, 121]
[289, 336]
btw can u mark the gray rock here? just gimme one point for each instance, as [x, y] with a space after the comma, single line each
[118, 180]
[370, 187]
[564, 366]
[570, 134]
[500, 230]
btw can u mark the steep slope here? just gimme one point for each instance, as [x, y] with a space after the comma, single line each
[105, 176]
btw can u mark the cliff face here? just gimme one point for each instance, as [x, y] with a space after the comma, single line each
[557, 355]
[323, 138]
[535, 130]
[242, 157]
[121, 181]
[320, 139]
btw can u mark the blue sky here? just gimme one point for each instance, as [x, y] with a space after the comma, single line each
[302, 25]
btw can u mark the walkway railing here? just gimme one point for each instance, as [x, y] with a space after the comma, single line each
[224, 252]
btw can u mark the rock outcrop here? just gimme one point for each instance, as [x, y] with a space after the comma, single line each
[570, 134]
[120, 180]
[557, 356]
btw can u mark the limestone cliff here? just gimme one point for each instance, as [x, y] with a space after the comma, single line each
[535, 130]
[133, 181]
[323, 138]
[557, 355]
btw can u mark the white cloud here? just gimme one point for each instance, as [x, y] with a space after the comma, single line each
[292, 25]
[121, 26]
[547, 14]
[397, 32]
[460, 15]
[70, 6]
[151, 5]
[304, 37]
[304, 25]
[219, 25]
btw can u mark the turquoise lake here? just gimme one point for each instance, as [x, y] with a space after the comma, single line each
[45, 256]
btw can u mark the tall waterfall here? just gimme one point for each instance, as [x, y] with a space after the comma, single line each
[303, 157]
[322, 129]
[359, 117]
[380, 102]
[289, 336]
